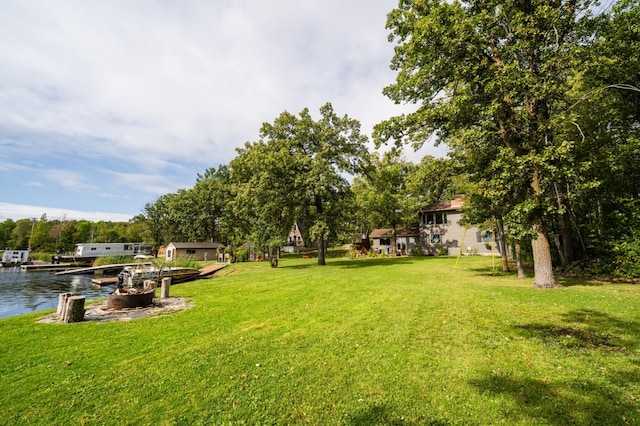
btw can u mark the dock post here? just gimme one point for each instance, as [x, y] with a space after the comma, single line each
[166, 284]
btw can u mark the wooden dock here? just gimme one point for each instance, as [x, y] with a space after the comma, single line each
[212, 269]
[48, 267]
[105, 281]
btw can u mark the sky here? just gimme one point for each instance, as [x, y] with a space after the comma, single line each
[106, 105]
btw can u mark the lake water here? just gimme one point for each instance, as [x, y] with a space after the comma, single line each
[22, 292]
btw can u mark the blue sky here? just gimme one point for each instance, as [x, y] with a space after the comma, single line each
[106, 105]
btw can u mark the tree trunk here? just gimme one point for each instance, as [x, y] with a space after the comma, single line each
[502, 241]
[321, 259]
[519, 266]
[75, 309]
[564, 241]
[542, 265]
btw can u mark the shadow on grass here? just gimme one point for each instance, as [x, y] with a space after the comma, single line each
[353, 263]
[595, 396]
[380, 415]
[586, 329]
[562, 280]
[561, 402]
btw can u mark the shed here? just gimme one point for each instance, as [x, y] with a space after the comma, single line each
[197, 251]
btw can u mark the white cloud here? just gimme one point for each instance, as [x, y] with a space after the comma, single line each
[131, 99]
[68, 179]
[22, 211]
[136, 78]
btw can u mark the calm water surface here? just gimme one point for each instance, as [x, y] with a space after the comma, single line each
[22, 292]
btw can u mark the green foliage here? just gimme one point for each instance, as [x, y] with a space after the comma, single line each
[112, 260]
[297, 172]
[242, 255]
[6, 230]
[180, 261]
[492, 81]
[441, 250]
[626, 257]
[367, 341]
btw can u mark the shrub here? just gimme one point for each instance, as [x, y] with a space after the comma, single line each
[111, 260]
[242, 255]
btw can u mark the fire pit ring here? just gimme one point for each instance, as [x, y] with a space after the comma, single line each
[133, 300]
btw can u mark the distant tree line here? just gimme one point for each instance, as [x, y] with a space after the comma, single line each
[538, 102]
[62, 235]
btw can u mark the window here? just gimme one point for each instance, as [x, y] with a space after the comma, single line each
[385, 241]
[93, 248]
[127, 247]
[191, 251]
[437, 218]
[429, 220]
[434, 238]
[484, 236]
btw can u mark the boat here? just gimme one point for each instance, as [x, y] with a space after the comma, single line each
[15, 258]
[135, 276]
[88, 252]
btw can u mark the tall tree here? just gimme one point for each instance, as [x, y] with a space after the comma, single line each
[6, 228]
[383, 195]
[605, 196]
[489, 78]
[158, 226]
[21, 233]
[297, 171]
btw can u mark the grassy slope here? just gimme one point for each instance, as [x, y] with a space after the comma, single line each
[385, 341]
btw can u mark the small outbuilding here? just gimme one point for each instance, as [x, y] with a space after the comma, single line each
[197, 251]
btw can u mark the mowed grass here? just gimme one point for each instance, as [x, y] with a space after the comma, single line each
[356, 342]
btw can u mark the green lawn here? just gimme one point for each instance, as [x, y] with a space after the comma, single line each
[356, 342]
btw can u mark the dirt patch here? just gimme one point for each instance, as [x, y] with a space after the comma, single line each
[98, 311]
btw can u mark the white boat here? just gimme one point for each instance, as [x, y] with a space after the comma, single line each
[135, 276]
[88, 252]
[15, 258]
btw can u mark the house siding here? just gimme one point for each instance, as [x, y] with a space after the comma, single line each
[451, 235]
[203, 251]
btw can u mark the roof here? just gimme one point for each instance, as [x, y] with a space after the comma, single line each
[196, 245]
[455, 204]
[380, 233]
[407, 232]
[400, 232]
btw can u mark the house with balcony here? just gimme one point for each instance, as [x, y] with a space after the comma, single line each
[441, 231]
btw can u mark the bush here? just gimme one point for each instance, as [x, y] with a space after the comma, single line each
[182, 262]
[627, 257]
[112, 260]
[442, 250]
[242, 255]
